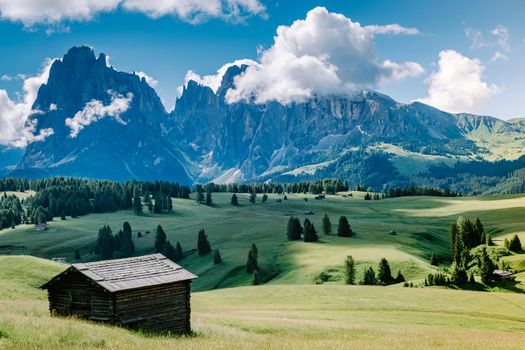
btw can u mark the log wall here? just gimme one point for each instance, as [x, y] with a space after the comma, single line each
[156, 308]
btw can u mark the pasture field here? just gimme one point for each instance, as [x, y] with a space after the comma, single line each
[421, 224]
[275, 317]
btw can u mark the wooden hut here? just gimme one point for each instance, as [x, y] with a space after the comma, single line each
[149, 292]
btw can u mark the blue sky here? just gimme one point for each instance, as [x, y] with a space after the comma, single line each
[482, 38]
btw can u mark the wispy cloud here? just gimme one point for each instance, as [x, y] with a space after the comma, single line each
[95, 110]
[52, 13]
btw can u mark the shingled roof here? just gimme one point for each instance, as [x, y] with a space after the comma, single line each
[129, 273]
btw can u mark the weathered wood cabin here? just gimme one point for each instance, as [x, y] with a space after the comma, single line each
[149, 292]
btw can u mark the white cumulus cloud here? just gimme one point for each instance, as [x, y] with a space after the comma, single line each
[213, 81]
[54, 12]
[149, 79]
[324, 53]
[457, 85]
[15, 127]
[95, 110]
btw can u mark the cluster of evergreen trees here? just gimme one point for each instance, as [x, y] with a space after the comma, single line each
[11, 211]
[465, 235]
[418, 191]
[375, 196]
[61, 197]
[308, 233]
[164, 246]
[328, 186]
[296, 232]
[514, 244]
[383, 276]
[109, 244]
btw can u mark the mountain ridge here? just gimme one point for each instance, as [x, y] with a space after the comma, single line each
[204, 138]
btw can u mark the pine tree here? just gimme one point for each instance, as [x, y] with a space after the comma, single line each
[105, 242]
[77, 254]
[367, 197]
[327, 225]
[399, 278]
[515, 244]
[63, 216]
[160, 240]
[264, 198]
[489, 241]
[208, 200]
[127, 247]
[384, 274]
[253, 197]
[137, 203]
[157, 206]
[203, 246]
[369, 277]
[459, 275]
[343, 229]
[506, 243]
[252, 263]
[179, 254]
[200, 195]
[169, 251]
[217, 259]
[310, 234]
[294, 229]
[455, 244]
[234, 200]
[480, 231]
[350, 270]
[434, 260]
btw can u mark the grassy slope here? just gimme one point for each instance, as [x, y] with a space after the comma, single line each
[275, 317]
[421, 224]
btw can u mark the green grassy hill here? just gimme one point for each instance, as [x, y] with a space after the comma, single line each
[275, 317]
[421, 224]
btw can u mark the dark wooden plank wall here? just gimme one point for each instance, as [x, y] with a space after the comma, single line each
[157, 308]
[63, 294]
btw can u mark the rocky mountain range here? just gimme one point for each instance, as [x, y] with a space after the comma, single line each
[111, 124]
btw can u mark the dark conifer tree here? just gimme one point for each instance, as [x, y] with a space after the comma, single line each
[105, 242]
[234, 200]
[179, 254]
[515, 244]
[217, 259]
[384, 274]
[253, 197]
[169, 251]
[264, 198]
[434, 260]
[343, 229]
[77, 254]
[327, 225]
[252, 263]
[399, 277]
[160, 240]
[369, 277]
[208, 200]
[310, 234]
[349, 270]
[157, 206]
[203, 246]
[480, 232]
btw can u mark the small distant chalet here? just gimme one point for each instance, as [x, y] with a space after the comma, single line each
[149, 292]
[308, 212]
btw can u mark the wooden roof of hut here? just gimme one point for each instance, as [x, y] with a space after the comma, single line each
[129, 273]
